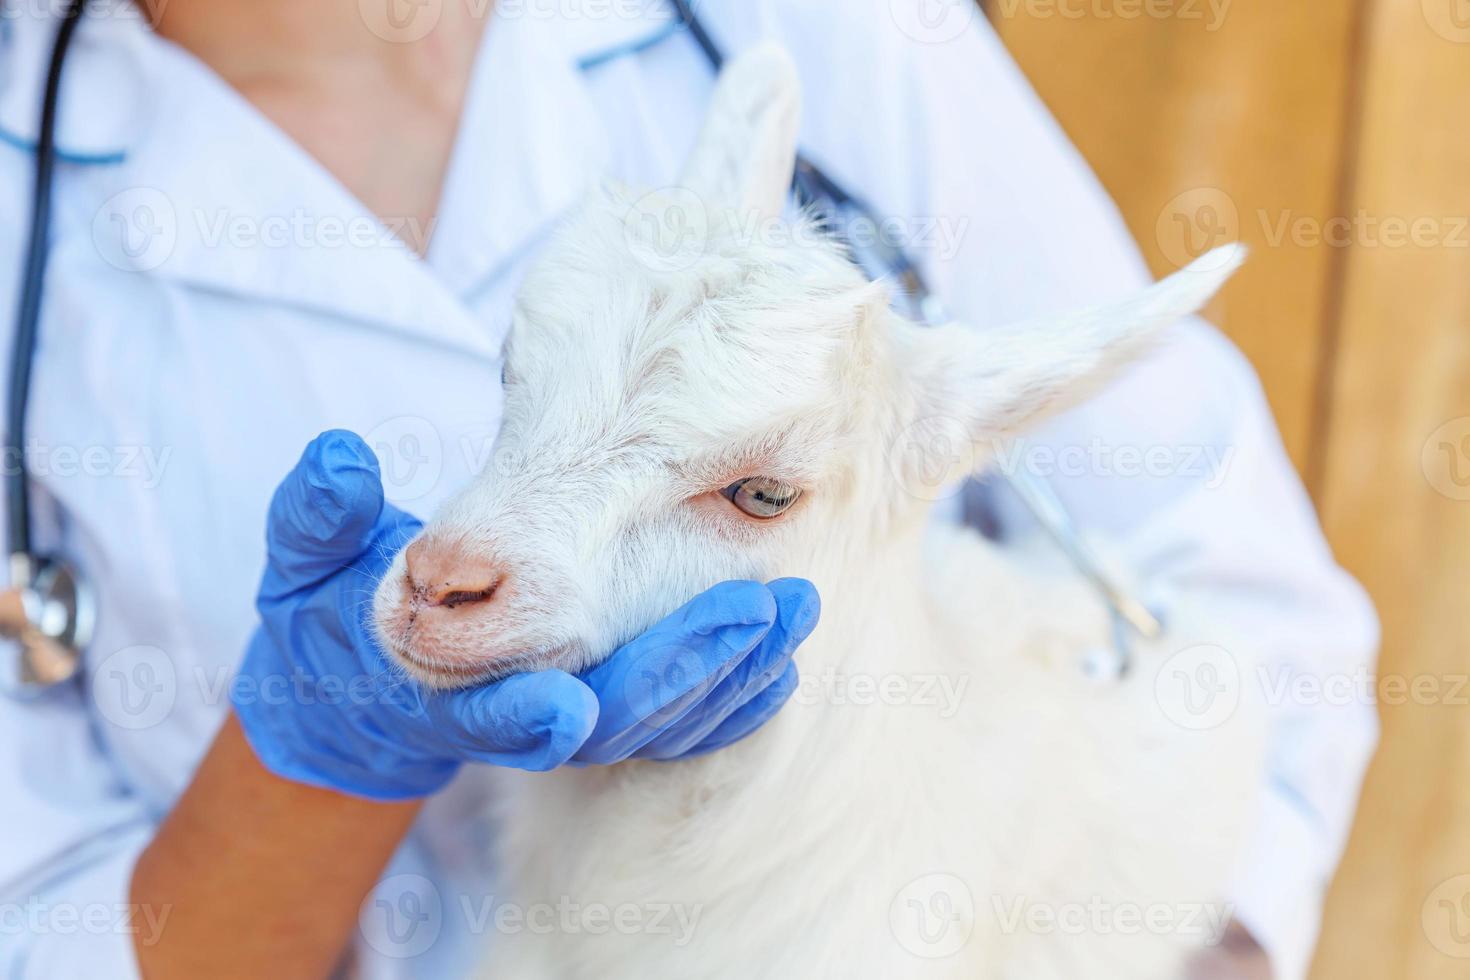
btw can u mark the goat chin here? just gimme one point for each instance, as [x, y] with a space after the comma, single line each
[994, 814]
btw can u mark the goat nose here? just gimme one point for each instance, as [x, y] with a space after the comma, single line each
[451, 576]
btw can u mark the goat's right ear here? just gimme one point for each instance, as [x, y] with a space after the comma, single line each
[972, 387]
[746, 151]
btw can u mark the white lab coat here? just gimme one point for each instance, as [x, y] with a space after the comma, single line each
[216, 298]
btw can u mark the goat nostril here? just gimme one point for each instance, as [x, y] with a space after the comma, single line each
[449, 576]
[464, 597]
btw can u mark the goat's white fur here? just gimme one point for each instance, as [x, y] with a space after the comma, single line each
[632, 391]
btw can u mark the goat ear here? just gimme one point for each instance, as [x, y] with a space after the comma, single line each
[974, 386]
[747, 148]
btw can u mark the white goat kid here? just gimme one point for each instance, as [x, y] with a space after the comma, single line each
[1034, 825]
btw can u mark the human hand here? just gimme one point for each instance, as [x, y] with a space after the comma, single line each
[706, 676]
[320, 703]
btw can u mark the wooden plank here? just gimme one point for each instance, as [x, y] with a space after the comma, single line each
[1397, 497]
[1216, 124]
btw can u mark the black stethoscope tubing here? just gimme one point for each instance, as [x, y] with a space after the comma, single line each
[28, 317]
[49, 609]
[834, 207]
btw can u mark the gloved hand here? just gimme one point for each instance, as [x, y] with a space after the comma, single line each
[320, 703]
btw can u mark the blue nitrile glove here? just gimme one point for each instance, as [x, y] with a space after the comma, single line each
[704, 677]
[321, 704]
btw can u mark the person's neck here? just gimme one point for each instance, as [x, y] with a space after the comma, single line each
[376, 100]
[310, 41]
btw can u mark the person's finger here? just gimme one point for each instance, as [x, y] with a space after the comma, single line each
[324, 514]
[798, 608]
[750, 716]
[652, 682]
[745, 683]
[531, 721]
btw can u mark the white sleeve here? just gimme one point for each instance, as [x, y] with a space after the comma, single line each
[71, 833]
[1011, 223]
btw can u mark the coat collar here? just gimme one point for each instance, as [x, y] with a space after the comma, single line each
[215, 196]
[99, 94]
[207, 191]
[530, 146]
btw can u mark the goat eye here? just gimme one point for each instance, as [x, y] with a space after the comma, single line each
[761, 496]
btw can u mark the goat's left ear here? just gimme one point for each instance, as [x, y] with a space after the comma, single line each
[979, 385]
[747, 148]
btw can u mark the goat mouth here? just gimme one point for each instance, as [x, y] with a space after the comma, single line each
[442, 675]
[437, 674]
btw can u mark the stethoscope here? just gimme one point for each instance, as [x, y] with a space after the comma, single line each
[838, 210]
[49, 607]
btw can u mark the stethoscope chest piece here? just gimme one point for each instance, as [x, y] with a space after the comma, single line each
[51, 619]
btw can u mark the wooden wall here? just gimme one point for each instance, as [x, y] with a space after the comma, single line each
[1266, 122]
